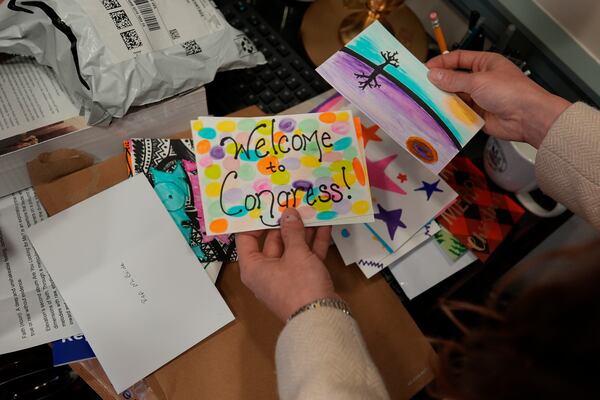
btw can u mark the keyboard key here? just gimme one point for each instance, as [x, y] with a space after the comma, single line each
[253, 20]
[303, 94]
[267, 96]
[319, 85]
[241, 87]
[267, 75]
[262, 28]
[283, 73]
[277, 86]
[236, 23]
[297, 64]
[274, 63]
[251, 99]
[308, 76]
[286, 96]
[283, 50]
[268, 55]
[241, 6]
[273, 39]
[257, 86]
[277, 106]
[292, 83]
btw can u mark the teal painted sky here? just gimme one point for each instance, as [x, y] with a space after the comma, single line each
[412, 73]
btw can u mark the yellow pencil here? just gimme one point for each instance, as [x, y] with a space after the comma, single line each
[437, 31]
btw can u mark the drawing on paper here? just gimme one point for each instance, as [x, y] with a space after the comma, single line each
[252, 169]
[386, 82]
[170, 166]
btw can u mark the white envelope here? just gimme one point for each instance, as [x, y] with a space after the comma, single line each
[138, 292]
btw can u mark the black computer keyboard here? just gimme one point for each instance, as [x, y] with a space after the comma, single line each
[283, 82]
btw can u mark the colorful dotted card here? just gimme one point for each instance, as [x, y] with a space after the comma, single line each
[252, 169]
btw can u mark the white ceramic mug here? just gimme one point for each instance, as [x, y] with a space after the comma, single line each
[511, 165]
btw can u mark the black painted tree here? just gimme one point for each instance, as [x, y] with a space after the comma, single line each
[370, 81]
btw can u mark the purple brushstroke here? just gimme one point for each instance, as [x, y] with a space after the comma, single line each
[388, 106]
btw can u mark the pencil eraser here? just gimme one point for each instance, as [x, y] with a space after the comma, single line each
[433, 16]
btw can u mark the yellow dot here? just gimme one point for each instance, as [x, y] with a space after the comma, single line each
[254, 213]
[213, 189]
[339, 179]
[280, 178]
[310, 161]
[213, 171]
[361, 207]
[328, 149]
[266, 129]
[337, 165]
[226, 126]
[343, 116]
[197, 126]
[230, 149]
[322, 206]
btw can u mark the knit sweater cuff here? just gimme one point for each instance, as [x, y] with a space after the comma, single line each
[568, 159]
[320, 354]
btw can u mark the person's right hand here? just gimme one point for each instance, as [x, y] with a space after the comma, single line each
[513, 106]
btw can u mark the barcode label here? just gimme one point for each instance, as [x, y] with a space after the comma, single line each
[147, 12]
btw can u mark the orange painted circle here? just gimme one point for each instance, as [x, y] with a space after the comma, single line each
[267, 165]
[358, 171]
[219, 225]
[328, 117]
[422, 149]
[203, 147]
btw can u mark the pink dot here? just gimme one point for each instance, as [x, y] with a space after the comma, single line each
[341, 128]
[333, 156]
[205, 161]
[262, 184]
[307, 212]
[231, 164]
[242, 137]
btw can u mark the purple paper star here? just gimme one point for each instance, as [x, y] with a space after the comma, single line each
[391, 219]
[429, 188]
[378, 178]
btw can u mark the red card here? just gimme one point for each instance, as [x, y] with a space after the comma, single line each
[480, 218]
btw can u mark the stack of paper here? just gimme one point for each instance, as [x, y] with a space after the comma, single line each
[251, 169]
[132, 282]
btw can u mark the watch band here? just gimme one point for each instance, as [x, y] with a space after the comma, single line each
[326, 302]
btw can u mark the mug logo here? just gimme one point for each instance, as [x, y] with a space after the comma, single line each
[497, 159]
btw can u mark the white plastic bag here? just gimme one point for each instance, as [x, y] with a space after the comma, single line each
[114, 54]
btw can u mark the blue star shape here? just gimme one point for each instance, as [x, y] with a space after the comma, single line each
[391, 219]
[430, 188]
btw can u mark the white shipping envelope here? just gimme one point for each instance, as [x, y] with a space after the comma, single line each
[122, 266]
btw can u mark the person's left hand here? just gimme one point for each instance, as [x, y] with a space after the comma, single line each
[288, 273]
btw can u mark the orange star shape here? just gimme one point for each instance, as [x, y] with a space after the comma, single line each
[370, 133]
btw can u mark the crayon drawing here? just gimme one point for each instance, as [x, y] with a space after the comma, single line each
[386, 82]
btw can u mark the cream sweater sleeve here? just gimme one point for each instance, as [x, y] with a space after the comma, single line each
[321, 354]
[568, 162]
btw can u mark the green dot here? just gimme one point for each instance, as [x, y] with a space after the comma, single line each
[312, 148]
[214, 209]
[247, 172]
[246, 125]
[213, 171]
[321, 172]
[309, 125]
[350, 153]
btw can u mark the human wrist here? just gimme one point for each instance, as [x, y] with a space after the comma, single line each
[303, 301]
[548, 108]
[335, 303]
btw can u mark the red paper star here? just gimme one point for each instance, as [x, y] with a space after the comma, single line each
[402, 177]
[378, 178]
[370, 133]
